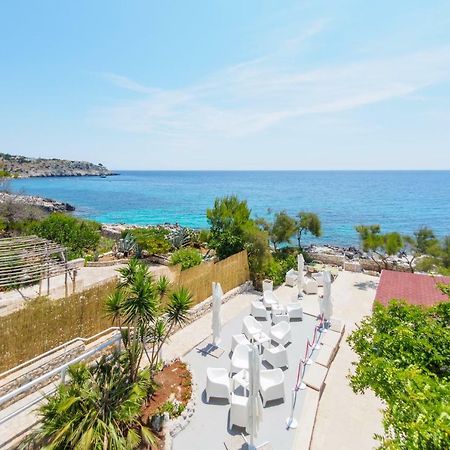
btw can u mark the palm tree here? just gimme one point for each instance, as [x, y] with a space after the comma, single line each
[98, 409]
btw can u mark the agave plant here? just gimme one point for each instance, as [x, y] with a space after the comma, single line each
[98, 409]
[127, 244]
[180, 238]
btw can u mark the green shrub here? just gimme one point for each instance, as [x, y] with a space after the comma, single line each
[278, 265]
[98, 408]
[105, 245]
[174, 408]
[203, 236]
[152, 240]
[187, 257]
[79, 236]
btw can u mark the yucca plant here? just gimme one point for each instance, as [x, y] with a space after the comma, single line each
[98, 409]
[137, 307]
[176, 314]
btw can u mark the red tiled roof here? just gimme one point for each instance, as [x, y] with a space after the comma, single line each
[415, 288]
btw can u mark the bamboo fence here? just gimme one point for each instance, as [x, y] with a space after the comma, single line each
[44, 324]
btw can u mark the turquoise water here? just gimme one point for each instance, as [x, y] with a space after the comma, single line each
[401, 201]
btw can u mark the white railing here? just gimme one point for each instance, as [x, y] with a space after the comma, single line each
[61, 371]
[57, 349]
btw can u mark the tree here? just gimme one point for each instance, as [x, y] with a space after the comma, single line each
[445, 252]
[308, 222]
[377, 244]
[404, 357]
[282, 229]
[256, 244]
[434, 254]
[229, 220]
[422, 242]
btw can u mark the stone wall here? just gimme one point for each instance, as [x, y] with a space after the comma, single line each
[358, 264]
[327, 258]
[107, 263]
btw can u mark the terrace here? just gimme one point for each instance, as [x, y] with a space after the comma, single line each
[323, 411]
[324, 415]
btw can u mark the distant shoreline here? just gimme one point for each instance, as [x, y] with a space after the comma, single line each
[24, 177]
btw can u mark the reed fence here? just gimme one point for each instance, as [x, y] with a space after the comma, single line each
[230, 273]
[44, 324]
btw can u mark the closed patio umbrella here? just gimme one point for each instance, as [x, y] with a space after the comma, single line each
[254, 408]
[216, 316]
[300, 276]
[327, 305]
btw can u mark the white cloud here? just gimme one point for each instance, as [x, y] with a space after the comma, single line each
[255, 95]
[126, 83]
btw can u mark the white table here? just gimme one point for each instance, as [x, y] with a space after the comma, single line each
[261, 339]
[279, 314]
[278, 309]
[241, 379]
[280, 317]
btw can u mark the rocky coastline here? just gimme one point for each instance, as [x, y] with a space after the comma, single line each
[45, 204]
[350, 258]
[24, 167]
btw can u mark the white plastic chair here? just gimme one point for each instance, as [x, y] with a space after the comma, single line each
[291, 278]
[251, 327]
[295, 311]
[276, 356]
[238, 339]
[271, 385]
[258, 310]
[238, 411]
[311, 286]
[239, 360]
[267, 285]
[281, 333]
[217, 383]
[269, 299]
[319, 278]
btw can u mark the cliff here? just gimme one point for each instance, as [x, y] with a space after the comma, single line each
[24, 167]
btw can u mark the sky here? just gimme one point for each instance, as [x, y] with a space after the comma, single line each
[235, 84]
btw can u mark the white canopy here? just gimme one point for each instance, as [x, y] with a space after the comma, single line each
[300, 275]
[216, 317]
[254, 409]
[327, 305]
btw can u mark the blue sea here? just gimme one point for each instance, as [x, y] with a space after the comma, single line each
[397, 200]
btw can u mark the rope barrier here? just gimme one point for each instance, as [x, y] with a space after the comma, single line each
[318, 330]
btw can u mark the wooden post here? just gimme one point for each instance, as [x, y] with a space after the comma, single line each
[66, 270]
[74, 281]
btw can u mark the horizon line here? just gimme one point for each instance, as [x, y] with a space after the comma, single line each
[280, 170]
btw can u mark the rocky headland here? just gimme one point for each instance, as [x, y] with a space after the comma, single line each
[25, 167]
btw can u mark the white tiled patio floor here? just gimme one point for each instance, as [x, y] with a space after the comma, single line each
[209, 426]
